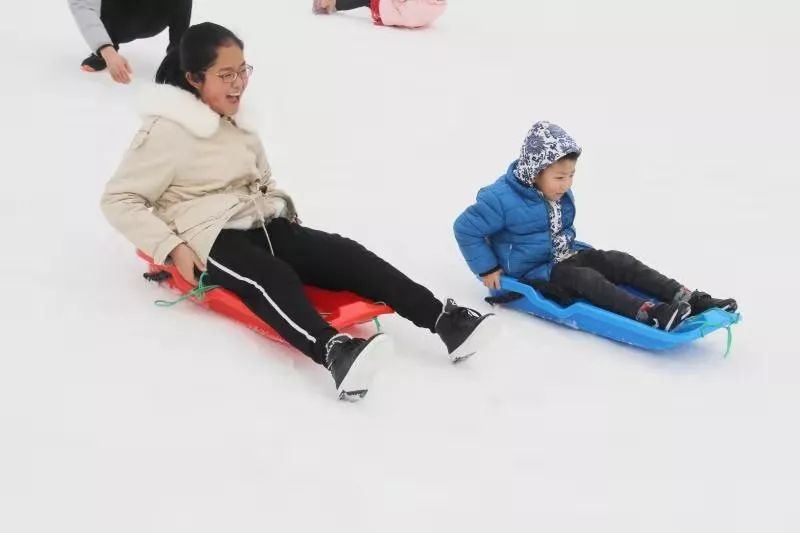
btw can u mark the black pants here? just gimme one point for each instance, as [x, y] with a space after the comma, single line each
[595, 274]
[128, 21]
[272, 286]
[347, 5]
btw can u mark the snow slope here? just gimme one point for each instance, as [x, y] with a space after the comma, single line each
[117, 416]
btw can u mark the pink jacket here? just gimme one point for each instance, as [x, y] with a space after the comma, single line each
[407, 13]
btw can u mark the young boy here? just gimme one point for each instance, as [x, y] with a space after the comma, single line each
[522, 225]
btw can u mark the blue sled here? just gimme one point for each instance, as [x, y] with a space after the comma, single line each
[586, 317]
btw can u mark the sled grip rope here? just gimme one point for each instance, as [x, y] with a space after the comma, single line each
[198, 292]
[705, 325]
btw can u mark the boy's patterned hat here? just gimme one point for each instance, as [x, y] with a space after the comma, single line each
[545, 144]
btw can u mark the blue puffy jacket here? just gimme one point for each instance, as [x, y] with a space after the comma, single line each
[509, 227]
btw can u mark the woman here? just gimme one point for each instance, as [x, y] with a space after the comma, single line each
[195, 188]
[105, 24]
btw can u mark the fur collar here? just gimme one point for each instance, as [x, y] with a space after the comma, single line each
[184, 108]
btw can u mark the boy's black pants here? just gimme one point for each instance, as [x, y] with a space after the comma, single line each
[596, 274]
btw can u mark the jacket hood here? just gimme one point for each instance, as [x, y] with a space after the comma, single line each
[181, 106]
[545, 144]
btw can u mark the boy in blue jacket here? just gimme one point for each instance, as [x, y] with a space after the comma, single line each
[522, 225]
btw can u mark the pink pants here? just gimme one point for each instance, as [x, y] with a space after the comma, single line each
[407, 13]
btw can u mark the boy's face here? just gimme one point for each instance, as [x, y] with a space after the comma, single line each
[556, 180]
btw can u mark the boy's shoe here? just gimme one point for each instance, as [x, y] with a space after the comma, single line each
[324, 7]
[464, 331]
[93, 63]
[702, 302]
[353, 363]
[664, 316]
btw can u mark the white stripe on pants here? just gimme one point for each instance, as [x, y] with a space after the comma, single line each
[280, 312]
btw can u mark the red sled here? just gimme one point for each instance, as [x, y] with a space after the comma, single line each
[342, 310]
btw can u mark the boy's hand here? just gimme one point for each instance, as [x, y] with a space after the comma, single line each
[492, 281]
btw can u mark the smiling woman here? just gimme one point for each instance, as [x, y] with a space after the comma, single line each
[216, 208]
[209, 63]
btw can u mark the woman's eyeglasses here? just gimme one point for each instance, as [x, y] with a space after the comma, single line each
[230, 77]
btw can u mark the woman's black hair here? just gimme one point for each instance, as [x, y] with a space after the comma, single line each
[196, 52]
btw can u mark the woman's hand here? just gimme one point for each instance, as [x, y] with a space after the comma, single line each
[118, 66]
[185, 260]
[492, 280]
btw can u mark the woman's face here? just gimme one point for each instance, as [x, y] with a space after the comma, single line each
[225, 81]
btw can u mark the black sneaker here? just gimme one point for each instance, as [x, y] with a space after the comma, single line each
[664, 316]
[463, 330]
[93, 63]
[702, 302]
[353, 363]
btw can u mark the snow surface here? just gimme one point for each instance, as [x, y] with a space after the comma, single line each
[117, 416]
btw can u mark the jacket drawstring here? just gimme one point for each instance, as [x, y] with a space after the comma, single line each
[261, 216]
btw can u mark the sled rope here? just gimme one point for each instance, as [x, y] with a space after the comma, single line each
[705, 325]
[377, 323]
[198, 293]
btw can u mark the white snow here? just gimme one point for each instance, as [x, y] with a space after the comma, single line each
[118, 416]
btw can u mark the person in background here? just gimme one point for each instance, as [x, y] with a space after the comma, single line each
[402, 13]
[105, 24]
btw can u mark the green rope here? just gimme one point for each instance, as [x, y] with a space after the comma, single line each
[730, 341]
[377, 323]
[705, 326]
[198, 293]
